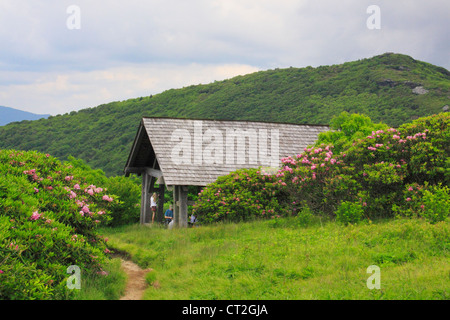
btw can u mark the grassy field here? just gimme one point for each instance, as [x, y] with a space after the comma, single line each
[283, 260]
[103, 287]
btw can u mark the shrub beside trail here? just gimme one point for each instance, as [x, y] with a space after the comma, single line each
[49, 215]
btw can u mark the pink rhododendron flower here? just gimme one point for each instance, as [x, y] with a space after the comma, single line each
[79, 203]
[77, 187]
[109, 199]
[35, 216]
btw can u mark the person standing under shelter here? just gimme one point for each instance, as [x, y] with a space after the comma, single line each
[153, 206]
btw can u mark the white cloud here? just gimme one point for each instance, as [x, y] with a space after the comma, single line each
[58, 93]
[134, 48]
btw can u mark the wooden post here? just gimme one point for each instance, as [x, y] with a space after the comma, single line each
[183, 206]
[160, 214]
[180, 206]
[144, 198]
[176, 209]
[146, 193]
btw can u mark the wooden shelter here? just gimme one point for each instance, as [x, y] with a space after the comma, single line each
[178, 153]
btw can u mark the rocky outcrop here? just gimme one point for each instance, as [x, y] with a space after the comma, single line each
[420, 90]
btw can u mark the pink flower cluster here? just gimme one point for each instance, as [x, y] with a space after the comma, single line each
[395, 137]
[313, 158]
[91, 190]
[33, 174]
[107, 198]
[35, 216]
[378, 133]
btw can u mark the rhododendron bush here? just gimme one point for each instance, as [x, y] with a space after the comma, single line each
[240, 196]
[374, 173]
[49, 215]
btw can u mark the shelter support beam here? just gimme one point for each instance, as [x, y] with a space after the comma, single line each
[146, 193]
[160, 212]
[180, 195]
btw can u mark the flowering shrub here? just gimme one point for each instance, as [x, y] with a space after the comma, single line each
[239, 196]
[373, 170]
[128, 191]
[48, 222]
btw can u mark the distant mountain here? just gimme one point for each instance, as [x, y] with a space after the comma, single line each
[392, 88]
[8, 115]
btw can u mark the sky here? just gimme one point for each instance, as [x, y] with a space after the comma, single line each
[58, 56]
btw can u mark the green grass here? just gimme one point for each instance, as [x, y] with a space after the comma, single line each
[109, 286]
[280, 259]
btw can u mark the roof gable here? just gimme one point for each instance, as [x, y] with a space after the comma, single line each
[196, 152]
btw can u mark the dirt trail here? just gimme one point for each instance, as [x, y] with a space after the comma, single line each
[136, 283]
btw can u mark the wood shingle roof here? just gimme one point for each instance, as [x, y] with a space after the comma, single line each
[196, 152]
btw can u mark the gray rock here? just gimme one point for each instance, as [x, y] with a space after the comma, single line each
[420, 90]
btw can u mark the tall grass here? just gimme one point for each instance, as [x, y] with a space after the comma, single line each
[109, 285]
[281, 259]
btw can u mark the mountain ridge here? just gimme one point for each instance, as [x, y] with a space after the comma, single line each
[9, 115]
[390, 88]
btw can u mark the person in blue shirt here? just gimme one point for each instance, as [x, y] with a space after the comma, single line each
[169, 214]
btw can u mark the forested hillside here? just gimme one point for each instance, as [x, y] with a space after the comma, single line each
[391, 88]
